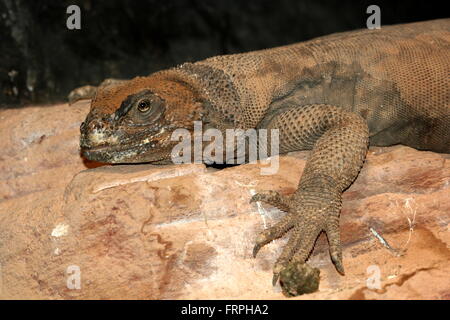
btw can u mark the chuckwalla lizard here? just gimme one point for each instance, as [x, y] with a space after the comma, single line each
[333, 95]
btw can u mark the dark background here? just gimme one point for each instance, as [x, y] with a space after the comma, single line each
[123, 39]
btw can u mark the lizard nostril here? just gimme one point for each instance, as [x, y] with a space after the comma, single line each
[95, 125]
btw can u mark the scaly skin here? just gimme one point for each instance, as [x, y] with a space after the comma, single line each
[333, 95]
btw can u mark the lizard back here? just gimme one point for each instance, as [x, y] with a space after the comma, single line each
[397, 78]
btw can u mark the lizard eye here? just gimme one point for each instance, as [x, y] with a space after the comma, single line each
[144, 105]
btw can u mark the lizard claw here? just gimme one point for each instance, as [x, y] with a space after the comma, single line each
[334, 241]
[275, 278]
[277, 269]
[338, 264]
[256, 249]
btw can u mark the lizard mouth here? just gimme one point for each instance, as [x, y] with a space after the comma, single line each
[111, 148]
[118, 148]
[116, 153]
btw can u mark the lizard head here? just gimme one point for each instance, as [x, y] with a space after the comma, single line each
[133, 121]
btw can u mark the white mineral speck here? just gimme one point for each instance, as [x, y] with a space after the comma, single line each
[60, 230]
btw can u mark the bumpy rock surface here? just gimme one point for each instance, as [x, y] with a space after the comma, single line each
[187, 231]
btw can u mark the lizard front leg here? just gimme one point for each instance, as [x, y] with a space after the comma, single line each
[89, 92]
[339, 141]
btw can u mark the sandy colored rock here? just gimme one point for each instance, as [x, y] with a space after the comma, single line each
[187, 231]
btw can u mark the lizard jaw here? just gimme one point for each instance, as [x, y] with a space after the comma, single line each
[115, 146]
[109, 151]
[116, 154]
[144, 150]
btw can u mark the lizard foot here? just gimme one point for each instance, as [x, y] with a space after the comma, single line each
[89, 92]
[85, 92]
[308, 214]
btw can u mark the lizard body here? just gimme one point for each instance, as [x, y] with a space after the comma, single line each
[333, 95]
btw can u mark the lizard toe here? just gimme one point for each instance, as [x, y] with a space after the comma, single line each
[273, 198]
[273, 232]
[298, 247]
[334, 241]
